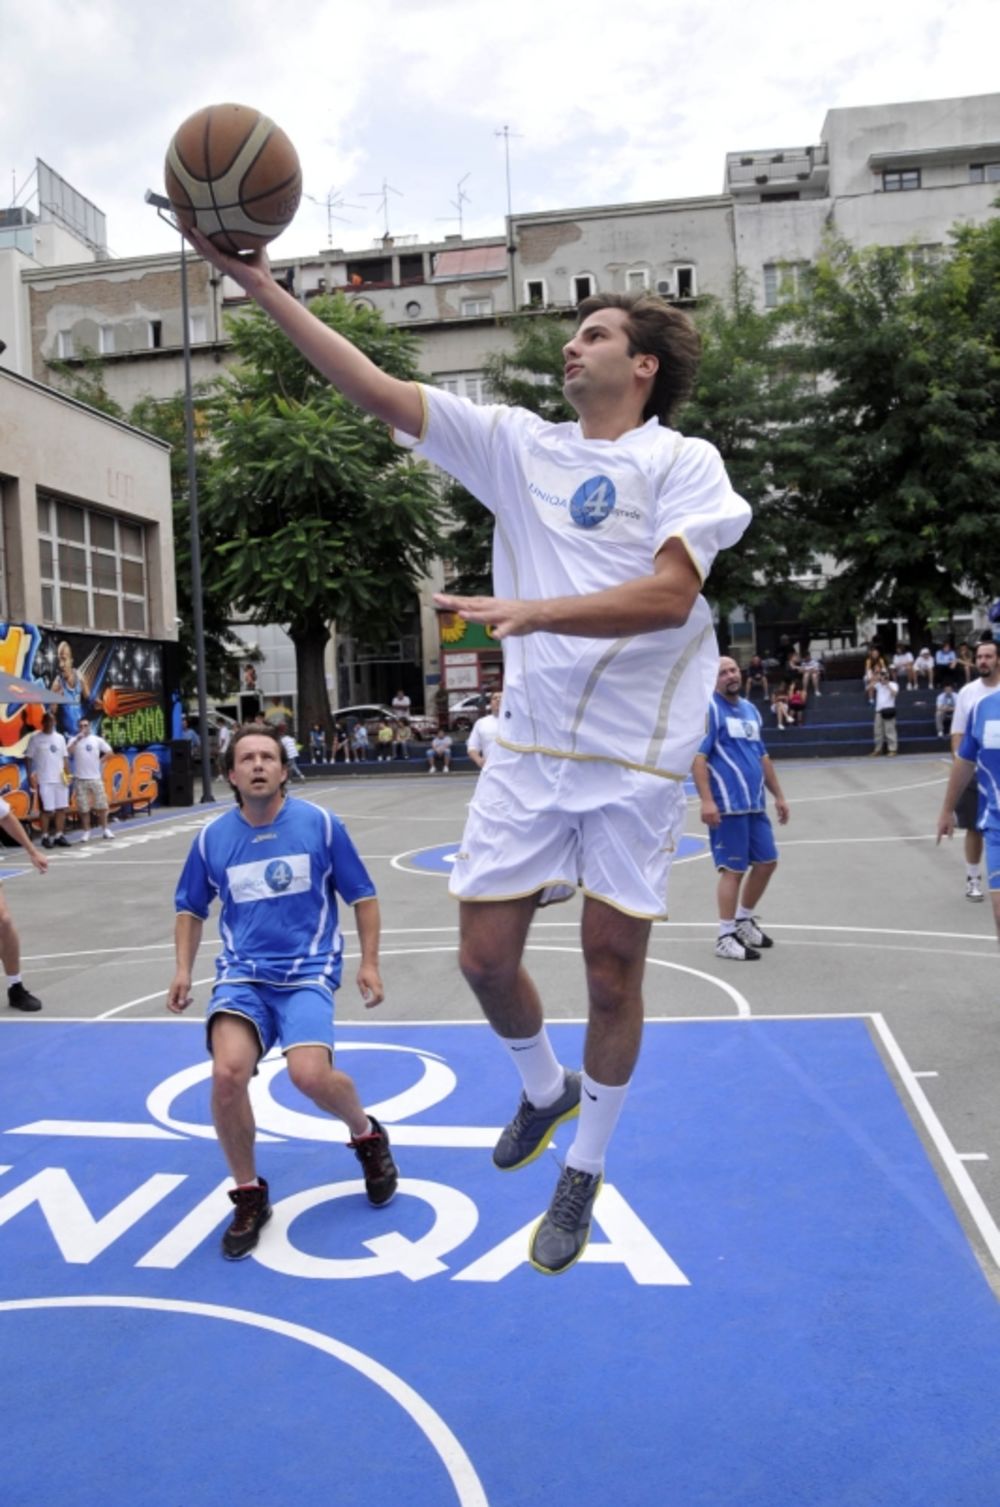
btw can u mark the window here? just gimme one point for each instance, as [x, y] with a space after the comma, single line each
[901, 180]
[984, 172]
[783, 281]
[154, 334]
[92, 566]
[686, 282]
[470, 307]
[637, 279]
[535, 295]
[105, 339]
[582, 286]
[470, 385]
[65, 345]
[198, 328]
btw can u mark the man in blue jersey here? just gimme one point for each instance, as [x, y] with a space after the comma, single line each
[731, 772]
[978, 754]
[277, 867]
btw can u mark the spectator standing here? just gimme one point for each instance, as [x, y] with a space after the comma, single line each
[439, 752]
[731, 772]
[401, 704]
[923, 669]
[18, 997]
[484, 733]
[886, 732]
[88, 752]
[188, 733]
[222, 742]
[291, 748]
[970, 808]
[50, 777]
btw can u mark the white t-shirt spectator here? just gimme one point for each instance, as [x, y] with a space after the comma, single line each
[924, 662]
[886, 692]
[87, 756]
[484, 734]
[901, 662]
[441, 743]
[401, 704]
[291, 748]
[47, 752]
[225, 734]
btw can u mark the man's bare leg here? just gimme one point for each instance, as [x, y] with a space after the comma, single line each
[235, 1050]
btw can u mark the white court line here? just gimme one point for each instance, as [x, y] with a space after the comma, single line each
[445, 1445]
[980, 1214]
[144, 999]
[927, 1073]
[972, 1156]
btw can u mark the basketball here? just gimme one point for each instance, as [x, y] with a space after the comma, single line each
[234, 175]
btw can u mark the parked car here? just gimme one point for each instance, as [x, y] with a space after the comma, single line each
[371, 713]
[466, 711]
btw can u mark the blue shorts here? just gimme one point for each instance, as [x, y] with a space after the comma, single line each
[991, 845]
[739, 841]
[296, 1016]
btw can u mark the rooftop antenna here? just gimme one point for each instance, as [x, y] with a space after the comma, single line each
[382, 195]
[461, 199]
[333, 200]
[507, 134]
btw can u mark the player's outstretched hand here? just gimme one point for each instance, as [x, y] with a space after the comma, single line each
[508, 619]
[248, 271]
[179, 994]
[370, 985]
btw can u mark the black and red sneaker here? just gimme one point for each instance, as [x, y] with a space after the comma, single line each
[252, 1213]
[372, 1151]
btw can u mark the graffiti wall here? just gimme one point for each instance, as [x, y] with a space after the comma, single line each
[126, 687]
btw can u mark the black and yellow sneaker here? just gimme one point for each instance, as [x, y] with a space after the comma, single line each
[561, 1235]
[531, 1129]
[253, 1210]
[380, 1172]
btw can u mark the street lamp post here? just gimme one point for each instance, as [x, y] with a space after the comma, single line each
[162, 206]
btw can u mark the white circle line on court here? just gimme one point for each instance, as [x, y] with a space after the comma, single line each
[742, 1007]
[468, 1487]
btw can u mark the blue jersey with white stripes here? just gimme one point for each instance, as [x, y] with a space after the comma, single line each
[278, 886]
[734, 750]
[981, 746]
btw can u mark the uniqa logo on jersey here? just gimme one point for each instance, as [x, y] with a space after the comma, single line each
[278, 875]
[592, 501]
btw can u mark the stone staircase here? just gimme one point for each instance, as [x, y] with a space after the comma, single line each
[840, 723]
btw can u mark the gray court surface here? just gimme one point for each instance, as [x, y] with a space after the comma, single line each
[869, 918]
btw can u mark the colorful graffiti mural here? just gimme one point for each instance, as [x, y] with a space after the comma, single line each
[124, 686]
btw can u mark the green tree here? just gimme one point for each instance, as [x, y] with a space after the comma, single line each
[322, 515]
[901, 465]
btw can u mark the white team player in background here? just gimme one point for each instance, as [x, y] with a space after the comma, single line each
[606, 529]
[87, 752]
[484, 733]
[970, 808]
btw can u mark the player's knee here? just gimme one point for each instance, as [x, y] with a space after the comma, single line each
[230, 1076]
[483, 964]
[309, 1075]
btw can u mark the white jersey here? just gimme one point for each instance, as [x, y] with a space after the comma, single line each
[87, 756]
[575, 516]
[484, 734]
[47, 752]
[966, 702]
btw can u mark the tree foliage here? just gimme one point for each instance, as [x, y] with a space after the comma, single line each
[322, 515]
[901, 447]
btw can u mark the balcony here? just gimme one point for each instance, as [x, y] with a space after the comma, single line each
[798, 168]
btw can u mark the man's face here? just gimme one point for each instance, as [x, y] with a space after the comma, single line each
[257, 768]
[597, 366]
[84, 727]
[729, 681]
[495, 703]
[47, 723]
[986, 660]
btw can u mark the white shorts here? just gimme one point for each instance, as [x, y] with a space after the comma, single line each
[538, 823]
[53, 797]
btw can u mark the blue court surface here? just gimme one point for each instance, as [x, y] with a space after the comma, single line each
[778, 1307]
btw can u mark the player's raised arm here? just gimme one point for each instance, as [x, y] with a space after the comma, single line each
[348, 369]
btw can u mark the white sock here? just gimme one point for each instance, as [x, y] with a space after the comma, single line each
[727, 928]
[542, 1074]
[973, 871]
[742, 914]
[600, 1106]
[12, 979]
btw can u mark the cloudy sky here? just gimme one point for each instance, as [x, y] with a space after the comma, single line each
[609, 103]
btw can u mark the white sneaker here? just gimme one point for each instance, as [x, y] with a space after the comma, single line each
[751, 935]
[974, 887]
[85, 836]
[731, 947]
[107, 833]
[432, 770]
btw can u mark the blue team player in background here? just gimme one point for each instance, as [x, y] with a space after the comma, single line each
[731, 771]
[979, 754]
[277, 866]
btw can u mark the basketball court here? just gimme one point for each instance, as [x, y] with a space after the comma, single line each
[791, 1290]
